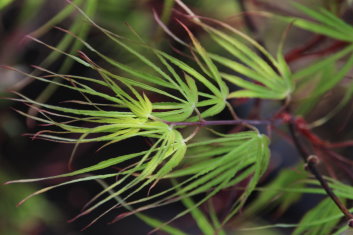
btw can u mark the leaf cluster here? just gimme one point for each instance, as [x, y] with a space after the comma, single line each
[120, 103]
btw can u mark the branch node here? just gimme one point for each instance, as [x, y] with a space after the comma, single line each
[350, 223]
[312, 160]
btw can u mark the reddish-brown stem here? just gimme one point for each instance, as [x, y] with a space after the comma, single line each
[298, 52]
[311, 162]
[311, 166]
[334, 47]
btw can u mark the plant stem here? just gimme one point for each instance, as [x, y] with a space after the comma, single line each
[311, 161]
[311, 166]
[221, 122]
[247, 19]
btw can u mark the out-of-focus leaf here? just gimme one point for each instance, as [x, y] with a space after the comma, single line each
[323, 210]
[200, 218]
[270, 198]
[4, 3]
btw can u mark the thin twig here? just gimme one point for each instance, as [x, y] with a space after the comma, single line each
[247, 19]
[311, 166]
[221, 122]
[311, 161]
